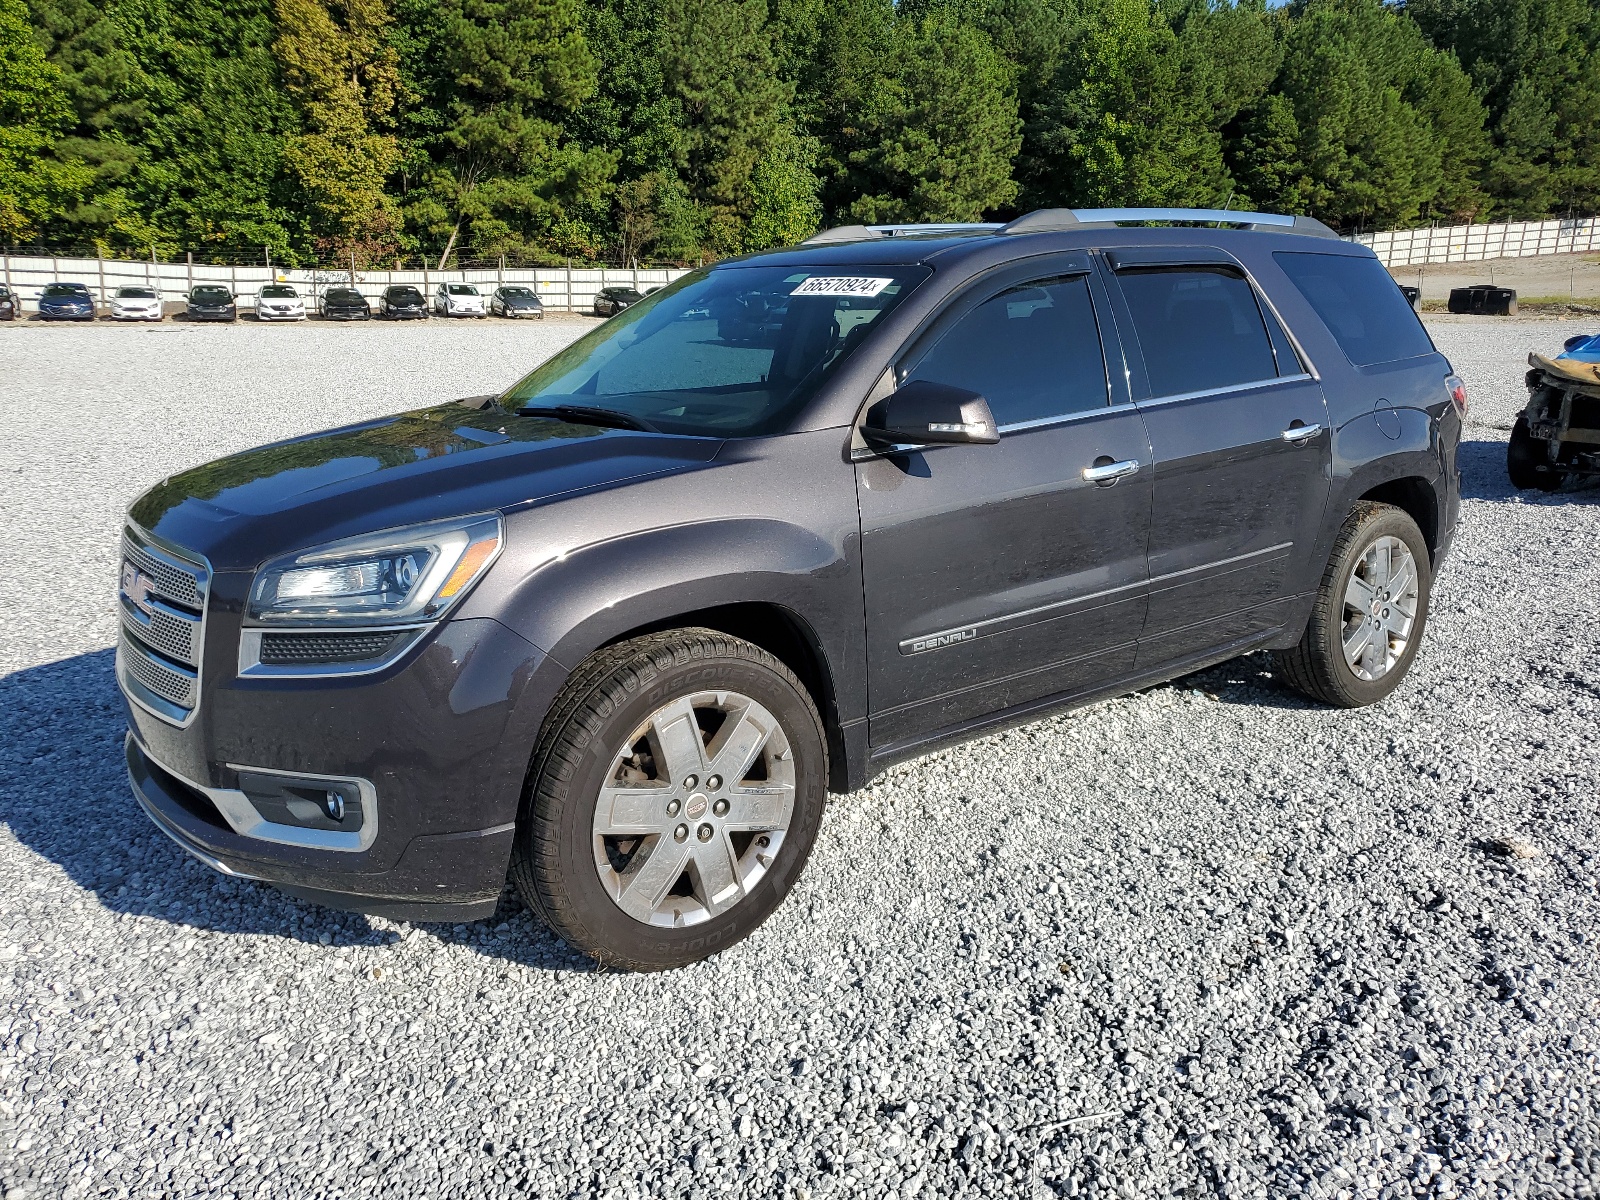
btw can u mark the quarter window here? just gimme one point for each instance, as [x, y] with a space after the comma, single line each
[1368, 315]
[1033, 352]
[1200, 329]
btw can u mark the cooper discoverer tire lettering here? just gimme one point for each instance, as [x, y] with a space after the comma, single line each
[673, 799]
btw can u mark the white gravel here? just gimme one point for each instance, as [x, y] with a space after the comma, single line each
[1205, 941]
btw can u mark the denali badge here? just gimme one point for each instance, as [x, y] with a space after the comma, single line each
[136, 588]
[938, 641]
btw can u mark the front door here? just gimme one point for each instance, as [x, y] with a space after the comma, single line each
[998, 575]
[1239, 434]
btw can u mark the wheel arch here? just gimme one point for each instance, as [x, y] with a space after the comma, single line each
[782, 633]
[1417, 498]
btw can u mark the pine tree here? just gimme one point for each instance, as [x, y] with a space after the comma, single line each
[939, 130]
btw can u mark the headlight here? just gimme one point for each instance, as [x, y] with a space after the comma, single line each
[399, 577]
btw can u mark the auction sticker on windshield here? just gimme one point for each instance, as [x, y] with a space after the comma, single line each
[841, 285]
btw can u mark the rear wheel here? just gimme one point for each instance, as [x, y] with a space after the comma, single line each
[1369, 614]
[673, 799]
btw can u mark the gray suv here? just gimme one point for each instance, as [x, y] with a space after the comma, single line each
[619, 629]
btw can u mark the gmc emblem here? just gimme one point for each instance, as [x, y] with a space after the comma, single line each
[136, 589]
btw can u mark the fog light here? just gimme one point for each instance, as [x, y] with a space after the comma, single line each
[306, 803]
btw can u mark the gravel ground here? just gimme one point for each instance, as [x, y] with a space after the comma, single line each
[1206, 940]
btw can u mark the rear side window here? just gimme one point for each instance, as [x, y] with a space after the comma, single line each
[1199, 327]
[1033, 352]
[1361, 305]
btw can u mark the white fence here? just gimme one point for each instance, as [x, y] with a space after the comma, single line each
[1474, 243]
[561, 289]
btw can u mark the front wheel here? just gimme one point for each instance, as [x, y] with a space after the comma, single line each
[673, 799]
[1369, 614]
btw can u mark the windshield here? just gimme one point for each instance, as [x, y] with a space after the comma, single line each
[462, 289]
[278, 291]
[342, 294]
[623, 294]
[65, 289]
[404, 293]
[723, 353]
[516, 293]
[135, 294]
[211, 295]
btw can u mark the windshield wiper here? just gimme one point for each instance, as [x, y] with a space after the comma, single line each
[582, 414]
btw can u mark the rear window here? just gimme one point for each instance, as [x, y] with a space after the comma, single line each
[1200, 329]
[1361, 305]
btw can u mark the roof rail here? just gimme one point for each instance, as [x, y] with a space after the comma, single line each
[1066, 218]
[860, 233]
[1055, 219]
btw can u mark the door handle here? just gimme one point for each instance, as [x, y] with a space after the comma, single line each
[1297, 435]
[1110, 472]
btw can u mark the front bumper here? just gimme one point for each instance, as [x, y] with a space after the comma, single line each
[262, 315]
[195, 314]
[67, 314]
[346, 314]
[439, 743]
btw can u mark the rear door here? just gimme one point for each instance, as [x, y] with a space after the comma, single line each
[997, 575]
[1239, 435]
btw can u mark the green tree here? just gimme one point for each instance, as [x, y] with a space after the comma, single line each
[1537, 65]
[939, 130]
[497, 78]
[33, 113]
[344, 74]
[1136, 111]
[718, 64]
[1386, 128]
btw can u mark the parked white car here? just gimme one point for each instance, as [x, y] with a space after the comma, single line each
[135, 304]
[279, 302]
[458, 300]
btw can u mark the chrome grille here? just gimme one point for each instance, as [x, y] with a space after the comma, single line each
[175, 634]
[162, 598]
[165, 679]
[182, 585]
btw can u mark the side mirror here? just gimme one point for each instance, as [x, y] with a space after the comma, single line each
[925, 413]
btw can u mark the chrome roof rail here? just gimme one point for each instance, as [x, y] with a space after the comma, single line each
[1046, 219]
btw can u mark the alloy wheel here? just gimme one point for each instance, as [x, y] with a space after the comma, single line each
[1380, 608]
[694, 809]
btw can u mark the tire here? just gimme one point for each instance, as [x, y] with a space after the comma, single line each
[1318, 666]
[1524, 455]
[624, 693]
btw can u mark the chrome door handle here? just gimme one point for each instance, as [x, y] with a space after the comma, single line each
[1296, 434]
[1111, 472]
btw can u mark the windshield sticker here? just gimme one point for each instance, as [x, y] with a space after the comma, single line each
[841, 285]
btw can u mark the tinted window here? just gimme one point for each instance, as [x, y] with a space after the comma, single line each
[1032, 352]
[727, 352]
[1360, 303]
[1199, 328]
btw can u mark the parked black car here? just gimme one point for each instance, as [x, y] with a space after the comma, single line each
[345, 304]
[612, 300]
[514, 300]
[210, 302]
[10, 304]
[621, 627]
[66, 302]
[402, 302]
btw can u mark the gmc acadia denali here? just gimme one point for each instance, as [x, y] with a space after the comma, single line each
[797, 516]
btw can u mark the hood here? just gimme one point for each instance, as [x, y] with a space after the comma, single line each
[445, 461]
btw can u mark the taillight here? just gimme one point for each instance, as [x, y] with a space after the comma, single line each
[1458, 393]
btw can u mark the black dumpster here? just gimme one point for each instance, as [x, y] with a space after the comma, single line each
[1484, 300]
[1412, 294]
